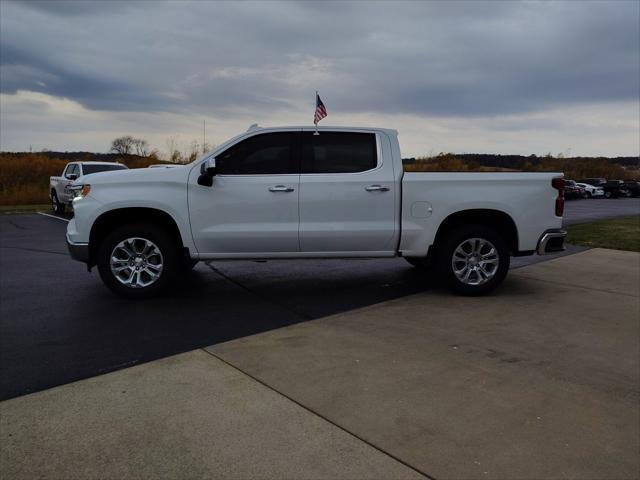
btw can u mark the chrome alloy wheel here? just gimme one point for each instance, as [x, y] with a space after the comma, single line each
[475, 261]
[136, 262]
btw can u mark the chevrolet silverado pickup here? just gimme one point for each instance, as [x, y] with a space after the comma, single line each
[274, 193]
[59, 192]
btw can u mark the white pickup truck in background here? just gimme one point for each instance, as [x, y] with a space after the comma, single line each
[59, 192]
[289, 193]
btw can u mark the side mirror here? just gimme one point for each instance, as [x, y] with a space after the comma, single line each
[72, 176]
[207, 172]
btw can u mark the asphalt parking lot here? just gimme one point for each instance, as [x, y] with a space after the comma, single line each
[583, 211]
[59, 324]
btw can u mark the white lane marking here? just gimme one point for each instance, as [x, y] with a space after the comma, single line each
[53, 216]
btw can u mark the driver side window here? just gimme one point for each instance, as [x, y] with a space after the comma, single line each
[266, 154]
[71, 169]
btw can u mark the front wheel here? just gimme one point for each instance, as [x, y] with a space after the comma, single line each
[473, 260]
[56, 206]
[138, 260]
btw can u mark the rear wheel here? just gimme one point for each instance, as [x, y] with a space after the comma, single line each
[138, 260]
[56, 206]
[473, 259]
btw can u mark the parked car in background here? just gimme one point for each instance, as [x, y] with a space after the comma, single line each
[591, 191]
[596, 182]
[615, 189]
[59, 192]
[633, 187]
[572, 190]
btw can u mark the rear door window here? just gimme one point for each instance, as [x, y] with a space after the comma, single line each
[338, 152]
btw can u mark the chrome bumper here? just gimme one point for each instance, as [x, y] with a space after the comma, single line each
[551, 241]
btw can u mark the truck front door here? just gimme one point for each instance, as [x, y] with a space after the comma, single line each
[252, 207]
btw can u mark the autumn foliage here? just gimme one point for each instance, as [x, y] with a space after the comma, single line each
[573, 168]
[24, 177]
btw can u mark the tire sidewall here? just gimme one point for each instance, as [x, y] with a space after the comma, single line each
[55, 203]
[160, 238]
[455, 238]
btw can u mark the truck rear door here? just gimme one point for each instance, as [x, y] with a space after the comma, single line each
[347, 202]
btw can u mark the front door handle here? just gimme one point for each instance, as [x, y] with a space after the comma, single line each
[281, 188]
[376, 188]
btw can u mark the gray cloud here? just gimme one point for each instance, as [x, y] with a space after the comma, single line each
[425, 58]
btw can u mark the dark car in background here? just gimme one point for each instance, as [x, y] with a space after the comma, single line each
[615, 189]
[633, 187]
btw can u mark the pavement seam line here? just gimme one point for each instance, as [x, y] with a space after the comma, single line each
[613, 292]
[33, 250]
[52, 216]
[317, 414]
[257, 294]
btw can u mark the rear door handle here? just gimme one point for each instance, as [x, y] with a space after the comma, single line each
[376, 188]
[281, 188]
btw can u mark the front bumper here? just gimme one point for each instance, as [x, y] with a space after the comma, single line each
[78, 251]
[551, 241]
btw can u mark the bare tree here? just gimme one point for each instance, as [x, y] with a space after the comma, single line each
[175, 155]
[123, 145]
[141, 146]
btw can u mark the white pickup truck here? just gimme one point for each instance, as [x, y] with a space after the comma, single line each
[277, 193]
[59, 192]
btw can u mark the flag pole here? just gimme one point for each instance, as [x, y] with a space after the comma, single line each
[314, 119]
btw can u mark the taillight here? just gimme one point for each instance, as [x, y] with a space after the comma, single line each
[558, 183]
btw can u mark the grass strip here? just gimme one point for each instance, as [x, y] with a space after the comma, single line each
[621, 233]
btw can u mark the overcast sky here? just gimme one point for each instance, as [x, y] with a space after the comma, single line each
[492, 77]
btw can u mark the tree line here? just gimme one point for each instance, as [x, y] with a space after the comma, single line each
[127, 145]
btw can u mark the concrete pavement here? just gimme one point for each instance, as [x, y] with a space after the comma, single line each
[539, 380]
[186, 416]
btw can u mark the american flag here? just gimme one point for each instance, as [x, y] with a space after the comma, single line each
[321, 111]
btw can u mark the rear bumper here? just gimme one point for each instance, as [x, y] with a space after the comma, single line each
[551, 241]
[78, 251]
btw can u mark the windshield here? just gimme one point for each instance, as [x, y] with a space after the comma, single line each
[88, 168]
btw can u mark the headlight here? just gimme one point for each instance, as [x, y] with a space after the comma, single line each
[80, 191]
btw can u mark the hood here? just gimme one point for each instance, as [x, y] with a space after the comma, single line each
[136, 175]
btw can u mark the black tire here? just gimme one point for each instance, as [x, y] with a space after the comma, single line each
[58, 208]
[452, 240]
[163, 242]
[587, 195]
[418, 262]
[607, 194]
